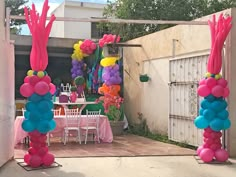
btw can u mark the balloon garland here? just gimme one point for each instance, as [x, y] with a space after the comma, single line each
[38, 89]
[213, 116]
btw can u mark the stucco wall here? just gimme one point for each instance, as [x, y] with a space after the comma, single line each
[76, 30]
[152, 98]
[58, 26]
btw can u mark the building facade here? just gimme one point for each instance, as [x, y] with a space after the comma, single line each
[77, 30]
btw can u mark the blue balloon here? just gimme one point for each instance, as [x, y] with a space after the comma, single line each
[47, 116]
[210, 98]
[227, 124]
[217, 125]
[216, 106]
[209, 114]
[223, 114]
[28, 126]
[30, 106]
[35, 115]
[224, 104]
[27, 114]
[45, 106]
[201, 123]
[52, 125]
[205, 104]
[43, 127]
[35, 97]
[201, 111]
[47, 96]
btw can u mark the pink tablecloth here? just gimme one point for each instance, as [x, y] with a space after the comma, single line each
[105, 132]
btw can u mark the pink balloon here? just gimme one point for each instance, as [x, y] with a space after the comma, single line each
[209, 141]
[34, 133]
[214, 147]
[42, 151]
[41, 88]
[26, 90]
[34, 80]
[210, 82]
[32, 151]
[27, 158]
[206, 155]
[52, 88]
[93, 46]
[205, 145]
[226, 92]
[206, 134]
[26, 79]
[48, 159]
[203, 91]
[199, 149]
[202, 82]
[46, 79]
[35, 161]
[221, 155]
[222, 82]
[217, 91]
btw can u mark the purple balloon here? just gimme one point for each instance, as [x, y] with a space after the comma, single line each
[74, 62]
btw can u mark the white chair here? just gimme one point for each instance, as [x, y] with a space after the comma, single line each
[72, 123]
[92, 124]
[23, 111]
[56, 112]
[66, 88]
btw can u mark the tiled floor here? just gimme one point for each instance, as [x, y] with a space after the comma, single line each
[126, 145]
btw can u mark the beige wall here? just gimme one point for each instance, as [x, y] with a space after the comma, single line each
[151, 98]
[7, 106]
[58, 26]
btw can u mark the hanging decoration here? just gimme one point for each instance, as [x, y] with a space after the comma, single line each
[213, 116]
[38, 89]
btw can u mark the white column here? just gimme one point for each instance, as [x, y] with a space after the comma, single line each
[7, 105]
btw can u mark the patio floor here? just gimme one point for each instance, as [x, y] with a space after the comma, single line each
[122, 146]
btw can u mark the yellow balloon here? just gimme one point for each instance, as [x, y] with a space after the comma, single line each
[218, 76]
[40, 74]
[109, 61]
[208, 74]
[30, 73]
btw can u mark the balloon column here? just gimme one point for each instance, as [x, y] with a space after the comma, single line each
[81, 50]
[111, 77]
[38, 89]
[213, 116]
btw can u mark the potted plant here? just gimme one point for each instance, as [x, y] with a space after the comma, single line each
[113, 107]
[144, 78]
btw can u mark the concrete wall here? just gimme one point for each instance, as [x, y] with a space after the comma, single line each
[7, 106]
[152, 98]
[79, 30]
[58, 27]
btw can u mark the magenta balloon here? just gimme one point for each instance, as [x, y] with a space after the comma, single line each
[221, 155]
[48, 159]
[202, 82]
[203, 91]
[35, 161]
[32, 151]
[226, 92]
[34, 80]
[26, 90]
[52, 88]
[42, 151]
[27, 158]
[206, 155]
[26, 79]
[46, 79]
[41, 88]
[222, 82]
[210, 82]
[218, 91]
[199, 149]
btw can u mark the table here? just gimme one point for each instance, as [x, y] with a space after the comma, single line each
[105, 133]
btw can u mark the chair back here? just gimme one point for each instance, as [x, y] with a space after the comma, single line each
[65, 88]
[92, 118]
[57, 112]
[72, 117]
[23, 111]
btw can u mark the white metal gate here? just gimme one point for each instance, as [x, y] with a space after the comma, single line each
[185, 72]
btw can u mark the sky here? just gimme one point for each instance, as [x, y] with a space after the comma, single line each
[53, 5]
